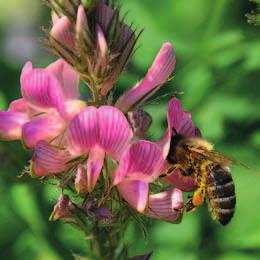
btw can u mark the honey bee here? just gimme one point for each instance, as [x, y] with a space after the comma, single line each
[195, 156]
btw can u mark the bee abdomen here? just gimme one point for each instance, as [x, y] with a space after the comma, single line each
[221, 194]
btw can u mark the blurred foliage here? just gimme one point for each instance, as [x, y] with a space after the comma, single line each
[218, 55]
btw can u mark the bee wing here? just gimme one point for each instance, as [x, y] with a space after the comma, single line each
[213, 156]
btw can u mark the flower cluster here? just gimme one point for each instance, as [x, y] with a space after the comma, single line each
[97, 147]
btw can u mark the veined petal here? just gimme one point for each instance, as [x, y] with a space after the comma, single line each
[11, 125]
[165, 205]
[49, 160]
[94, 166]
[83, 132]
[184, 183]
[63, 32]
[179, 120]
[42, 90]
[114, 131]
[143, 161]
[160, 71]
[45, 127]
[68, 78]
[135, 193]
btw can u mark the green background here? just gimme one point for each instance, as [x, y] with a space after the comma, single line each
[218, 62]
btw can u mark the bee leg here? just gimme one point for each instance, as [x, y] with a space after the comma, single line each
[194, 201]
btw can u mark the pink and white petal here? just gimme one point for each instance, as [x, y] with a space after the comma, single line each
[83, 132]
[94, 166]
[165, 205]
[68, 78]
[11, 125]
[73, 107]
[135, 193]
[184, 183]
[143, 161]
[63, 32]
[114, 131]
[50, 160]
[160, 71]
[42, 128]
[42, 90]
[18, 105]
[104, 15]
[102, 49]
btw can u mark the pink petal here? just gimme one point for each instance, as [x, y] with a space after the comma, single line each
[160, 71]
[83, 131]
[184, 183]
[45, 127]
[94, 166]
[11, 125]
[104, 15]
[165, 205]
[179, 120]
[49, 160]
[143, 161]
[18, 105]
[114, 131]
[68, 78]
[63, 32]
[135, 193]
[42, 90]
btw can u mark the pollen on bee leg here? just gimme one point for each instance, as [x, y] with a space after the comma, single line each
[198, 197]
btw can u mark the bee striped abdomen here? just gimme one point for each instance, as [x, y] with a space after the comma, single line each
[221, 193]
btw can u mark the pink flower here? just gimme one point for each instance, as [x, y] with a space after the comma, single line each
[49, 101]
[94, 133]
[179, 122]
[140, 165]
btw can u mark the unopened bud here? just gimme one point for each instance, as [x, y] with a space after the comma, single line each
[63, 209]
[140, 122]
[104, 215]
[81, 181]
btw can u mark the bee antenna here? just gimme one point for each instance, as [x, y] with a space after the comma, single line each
[175, 131]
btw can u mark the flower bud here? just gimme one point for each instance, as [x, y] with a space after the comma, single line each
[140, 122]
[63, 209]
[81, 181]
[104, 216]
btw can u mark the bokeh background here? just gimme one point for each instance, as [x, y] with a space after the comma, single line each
[217, 78]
